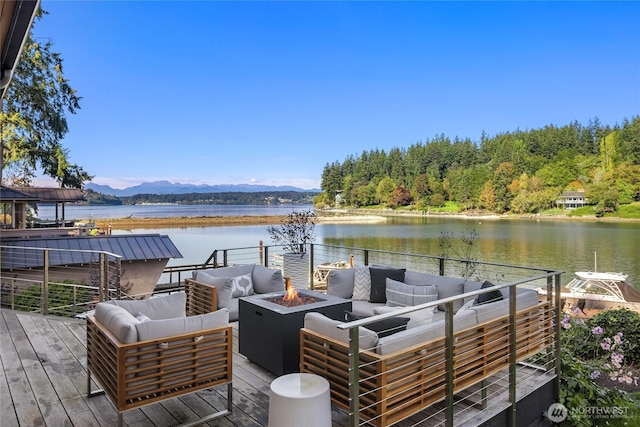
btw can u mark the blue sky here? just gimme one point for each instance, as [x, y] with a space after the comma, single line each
[264, 92]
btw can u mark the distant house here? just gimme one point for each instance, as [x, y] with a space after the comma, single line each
[571, 199]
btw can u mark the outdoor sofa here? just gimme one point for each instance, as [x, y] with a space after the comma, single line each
[404, 372]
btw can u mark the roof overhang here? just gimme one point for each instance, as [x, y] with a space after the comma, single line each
[16, 17]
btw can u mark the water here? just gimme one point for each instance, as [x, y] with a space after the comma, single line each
[88, 213]
[563, 245]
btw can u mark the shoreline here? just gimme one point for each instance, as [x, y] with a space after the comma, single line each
[333, 217]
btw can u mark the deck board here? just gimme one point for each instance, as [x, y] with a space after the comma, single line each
[43, 381]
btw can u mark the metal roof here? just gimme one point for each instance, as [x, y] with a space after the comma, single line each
[53, 194]
[137, 247]
[12, 195]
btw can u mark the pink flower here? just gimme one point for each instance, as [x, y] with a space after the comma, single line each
[618, 338]
[597, 330]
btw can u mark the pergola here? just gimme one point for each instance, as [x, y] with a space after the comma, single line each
[16, 199]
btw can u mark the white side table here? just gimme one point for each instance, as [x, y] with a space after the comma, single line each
[300, 400]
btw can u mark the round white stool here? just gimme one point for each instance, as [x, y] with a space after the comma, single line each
[300, 400]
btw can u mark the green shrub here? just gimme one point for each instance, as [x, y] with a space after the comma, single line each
[583, 211]
[631, 210]
[60, 299]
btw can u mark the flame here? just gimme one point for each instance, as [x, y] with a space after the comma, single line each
[291, 292]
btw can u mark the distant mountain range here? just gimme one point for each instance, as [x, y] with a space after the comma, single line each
[166, 187]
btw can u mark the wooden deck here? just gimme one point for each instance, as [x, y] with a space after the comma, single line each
[43, 382]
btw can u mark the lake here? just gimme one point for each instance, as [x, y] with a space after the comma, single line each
[564, 245]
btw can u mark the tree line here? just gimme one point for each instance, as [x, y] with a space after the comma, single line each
[226, 198]
[518, 171]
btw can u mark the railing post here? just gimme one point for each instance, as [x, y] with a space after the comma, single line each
[556, 327]
[366, 257]
[75, 301]
[44, 291]
[512, 357]
[266, 256]
[354, 377]
[311, 264]
[12, 294]
[225, 258]
[449, 353]
[441, 266]
[103, 283]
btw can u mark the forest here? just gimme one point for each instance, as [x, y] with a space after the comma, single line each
[521, 172]
[226, 198]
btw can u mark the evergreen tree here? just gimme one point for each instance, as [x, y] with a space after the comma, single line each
[33, 117]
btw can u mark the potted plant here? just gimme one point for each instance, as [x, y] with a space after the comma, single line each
[295, 234]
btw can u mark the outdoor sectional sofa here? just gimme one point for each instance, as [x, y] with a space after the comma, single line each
[404, 372]
[217, 288]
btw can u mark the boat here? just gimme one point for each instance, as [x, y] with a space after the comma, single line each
[590, 292]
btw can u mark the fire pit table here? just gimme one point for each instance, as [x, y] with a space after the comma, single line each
[270, 331]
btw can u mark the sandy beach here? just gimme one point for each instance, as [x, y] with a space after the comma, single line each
[333, 217]
[226, 221]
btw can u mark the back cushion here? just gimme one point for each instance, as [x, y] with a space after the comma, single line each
[340, 282]
[169, 327]
[160, 307]
[267, 280]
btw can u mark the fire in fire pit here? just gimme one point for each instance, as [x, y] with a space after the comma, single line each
[291, 298]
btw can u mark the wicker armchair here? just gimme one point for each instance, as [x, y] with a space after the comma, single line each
[142, 352]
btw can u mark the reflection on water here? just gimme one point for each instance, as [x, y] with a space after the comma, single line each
[545, 244]
[564, 245]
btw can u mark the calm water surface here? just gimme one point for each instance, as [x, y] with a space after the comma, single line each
[563, 245]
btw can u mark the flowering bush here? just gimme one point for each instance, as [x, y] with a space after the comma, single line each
[592, 351]
[600, 348]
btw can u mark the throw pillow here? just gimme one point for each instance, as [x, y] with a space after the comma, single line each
[398, 293]
[242, 286]
[233, 287]
[361, 283]
[401, 294]
[379, 282]
[424, 294]
[492, 296]
[384, 327]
